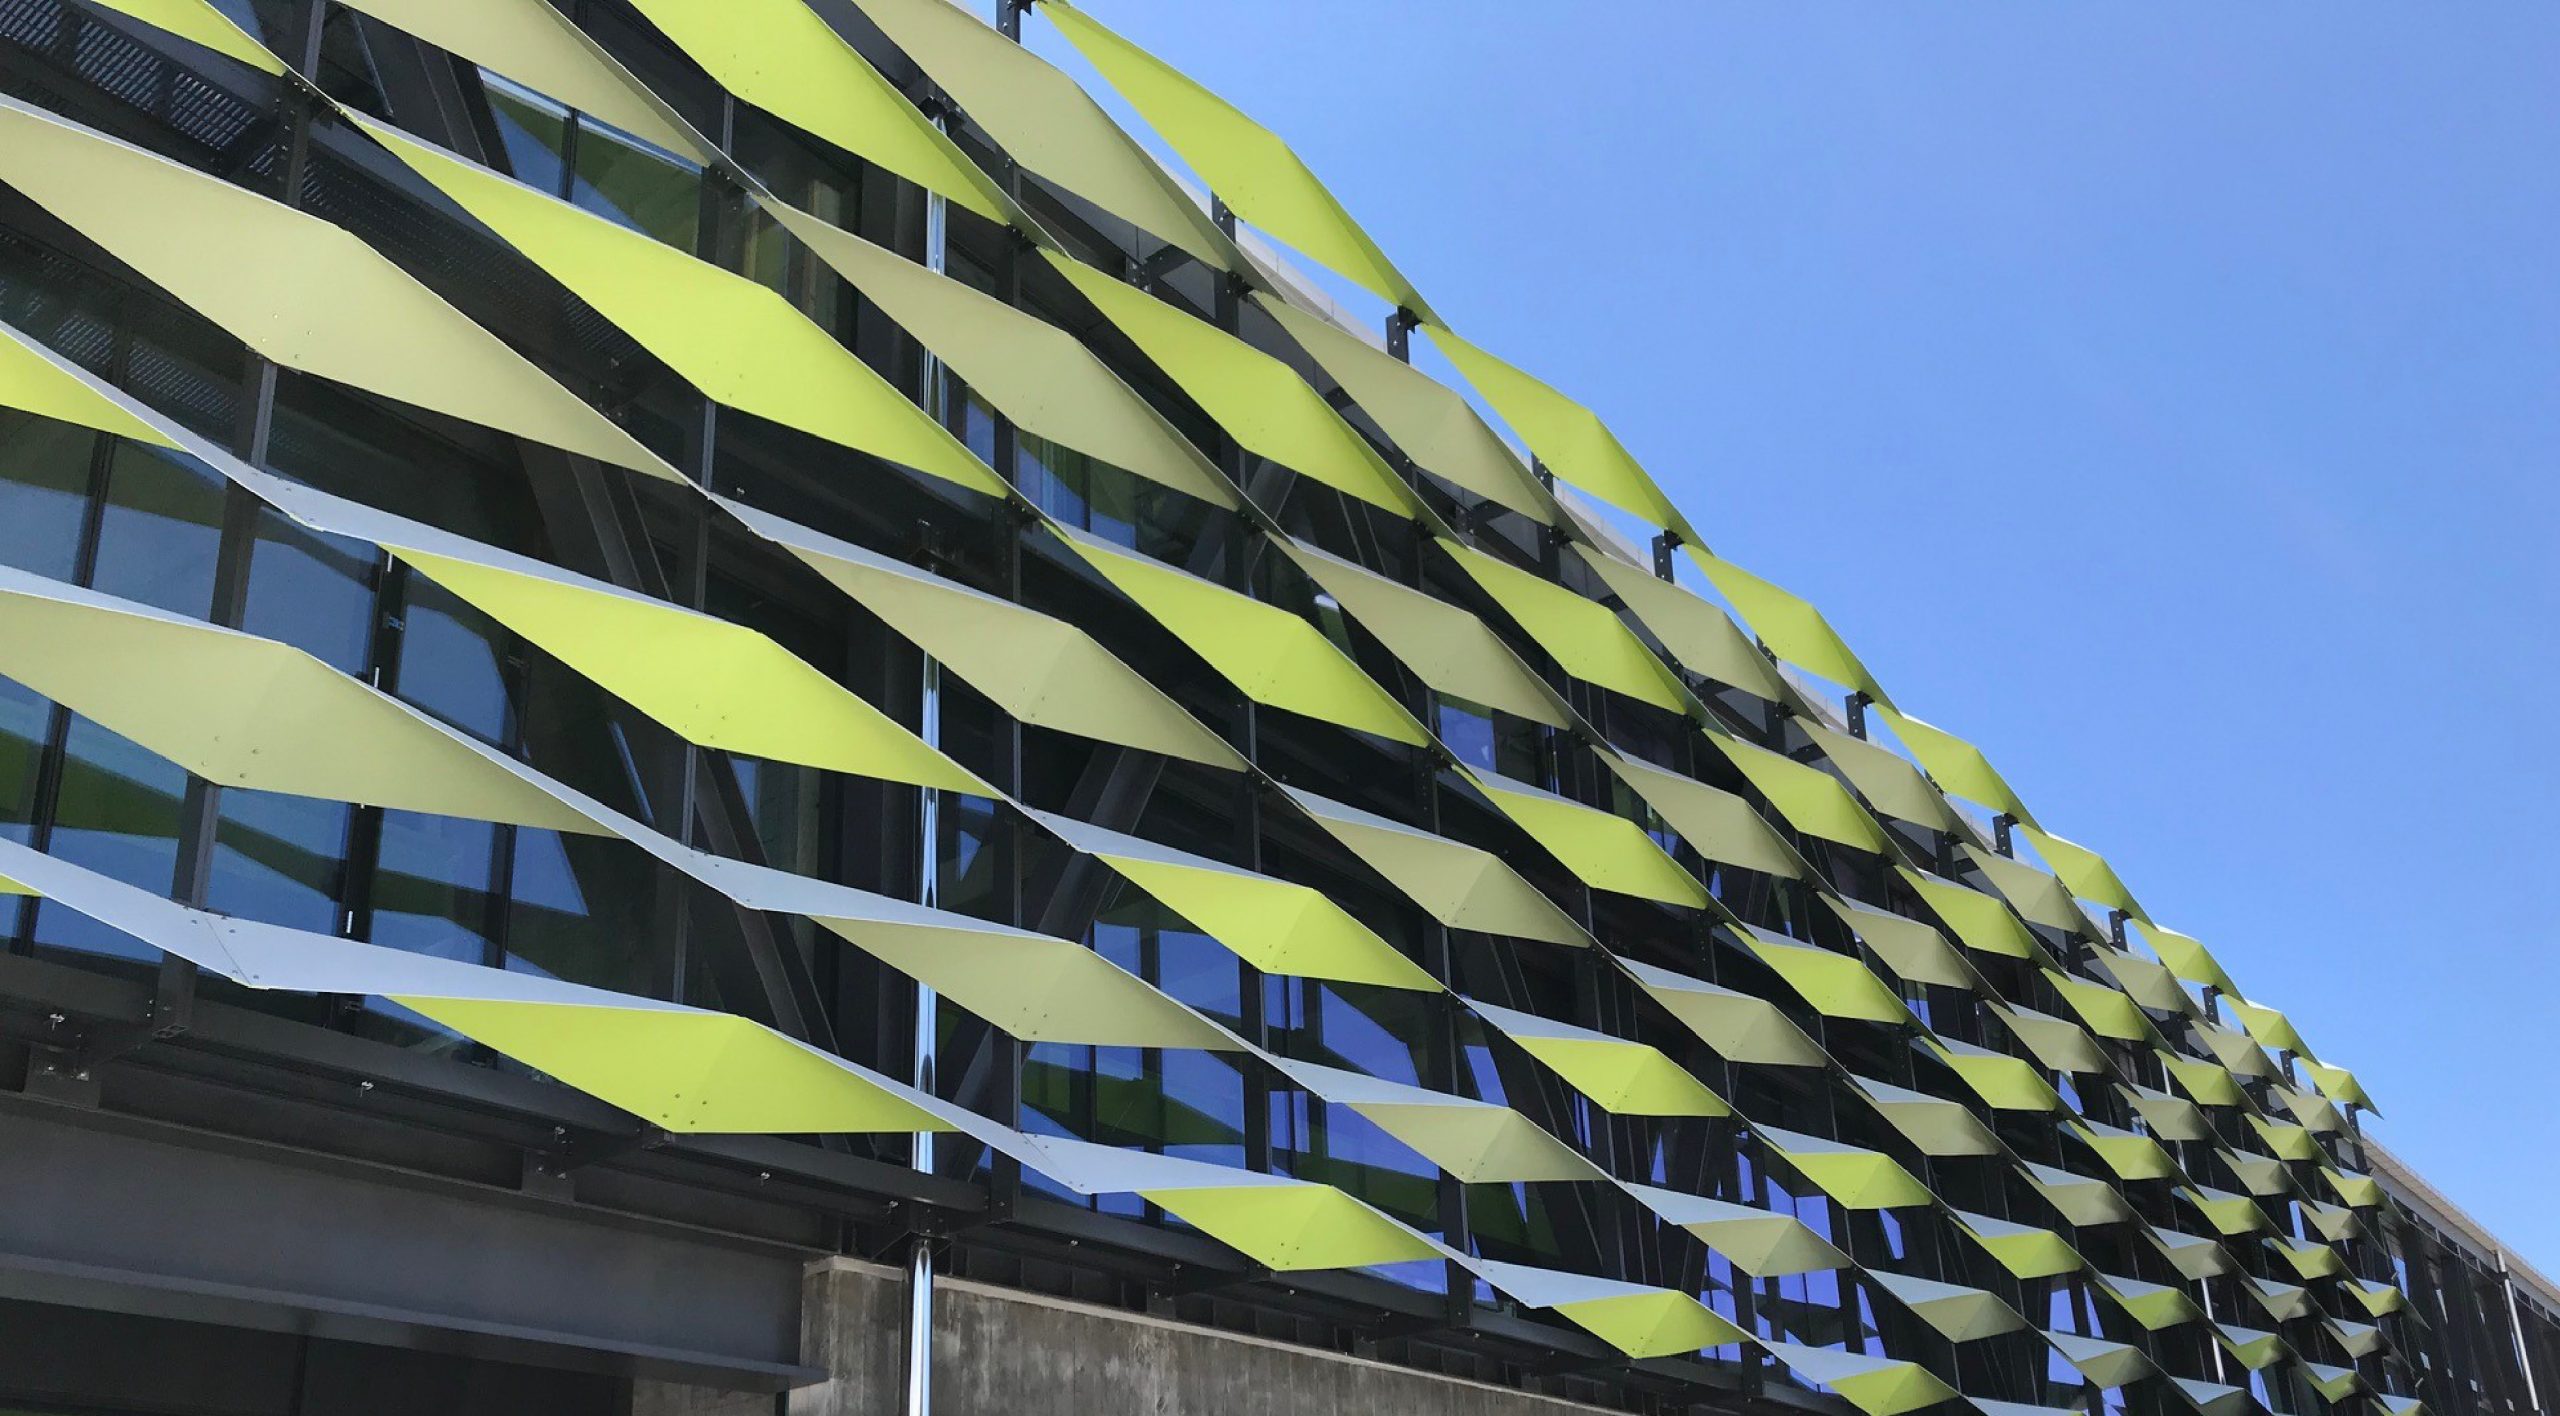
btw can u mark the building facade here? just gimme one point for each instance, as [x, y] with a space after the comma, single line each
[708, 705]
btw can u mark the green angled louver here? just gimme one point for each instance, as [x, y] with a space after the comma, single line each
[1353, 852]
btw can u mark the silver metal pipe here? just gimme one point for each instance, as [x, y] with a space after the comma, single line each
[919, 1355]
[919, 1360]
[2515, 1328]
[2213, 1347]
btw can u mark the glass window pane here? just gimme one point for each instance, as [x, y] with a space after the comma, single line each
[1519, 748]
[964, 880]
[311, 591]
[431, 885]
[977, 421]
[640, 187]
[1369, 1035]
[278, 859]
[1048, 478]
[244, 13]
[1128, 1106]
[161, 529]
[119, 817]
[1200, 971]
[770, 257]
[22, 723]
[44, 479]
[1117, 502]
[782, 797]
[1343, 1148]
[1203, 1097]
[530, 128]
[450, 663]
[1467, 729]
[1055, 1078]
[586, 910]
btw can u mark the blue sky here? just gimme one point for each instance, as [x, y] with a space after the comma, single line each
[2166, 397]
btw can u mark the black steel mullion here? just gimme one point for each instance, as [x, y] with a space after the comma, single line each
[689, 586]
[52, 760]
[990, 1080]
[1012, 835]
[1444, 1059]
[382, 669]
[200, 817]
[1244, 546]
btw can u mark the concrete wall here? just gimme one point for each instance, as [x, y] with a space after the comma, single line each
[853, 1320]
[998, 1352]
[650, 1398]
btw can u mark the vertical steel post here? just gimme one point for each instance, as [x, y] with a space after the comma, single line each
[200, 819]
[690, 582]
[2211, 1347]
[920, 1262]
[918, 1399]
[2515, 1327]
[1446, 1061]
[1254, 988]
[382, 670]
[51, 762]
[1006, 846]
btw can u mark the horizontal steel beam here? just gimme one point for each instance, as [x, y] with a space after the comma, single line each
[105, 1212]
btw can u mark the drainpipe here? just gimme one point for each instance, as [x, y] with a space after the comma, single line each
[2515, 1329]
[919, 1354]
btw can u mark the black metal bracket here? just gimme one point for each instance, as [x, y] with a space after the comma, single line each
[1188, 1281]
[1004, 1189]
[551, 1172]
[582, 1152]
[1578, 1365]
[1163, 263]
[932, 550]
[1455, 1316]
[1400, 328]
[901, 1246]
[911, 1219]
[1004, 1200]
[171, 1015]
[68, 1071]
